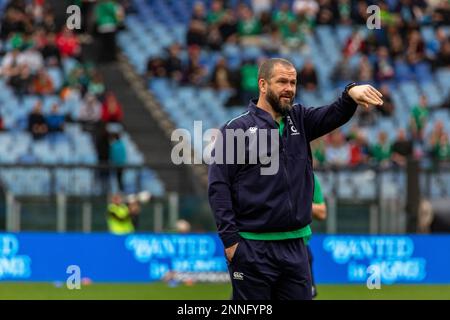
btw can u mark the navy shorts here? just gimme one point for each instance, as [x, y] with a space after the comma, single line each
[270, 270]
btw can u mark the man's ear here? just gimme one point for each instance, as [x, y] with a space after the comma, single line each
[262, 84]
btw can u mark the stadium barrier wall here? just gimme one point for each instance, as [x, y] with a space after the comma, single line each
[101, 257]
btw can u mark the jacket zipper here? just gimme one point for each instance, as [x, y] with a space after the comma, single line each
[286, 180]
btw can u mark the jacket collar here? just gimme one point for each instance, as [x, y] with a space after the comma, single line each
[260, 113]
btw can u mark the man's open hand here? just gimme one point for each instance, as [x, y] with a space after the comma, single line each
[366, 95]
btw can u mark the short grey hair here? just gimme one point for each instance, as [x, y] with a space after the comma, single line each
[266, 69]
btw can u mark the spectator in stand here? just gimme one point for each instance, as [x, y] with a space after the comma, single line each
[415, 50]
[96, 86]
[49, 23]
[365, 71]
[228, 27]
[173, 65]
[216, 12]
[343, 73]
[359, 150]
[249, 80]
[214, 40]
[359, 13]
[441, 149]
[443, 55]
[272, 43]
[381, 151]
[265, 19]
[196, 34]
[308, 8]
[118, 157]
[441, 12]
[90, 112]
[328, 12]
[366, 117]
[42, 84]
[438, 131]
[295, 37]
[402, 149]
[261, 6]
[283, 18]
[343, 11]
[198, 12]
[33, 59]
[50, 51]
[55, 120]
[11, 64]
[354, 44]
[14, 21]
[396, 46]
[388, 108]
[37, 125]
[68, 44]
[221, 78]
[410, 10]
[111, 109]
[156, 68]
[108, 18]
[195, 72]
[384, 69]
[21, 81]
[319, 152]
[307, 77]
[337, 151]
[419, 118]
[249, 27]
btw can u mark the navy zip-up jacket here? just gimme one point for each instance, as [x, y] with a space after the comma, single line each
[243, 199]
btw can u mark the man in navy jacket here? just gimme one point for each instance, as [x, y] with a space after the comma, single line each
[262, 221]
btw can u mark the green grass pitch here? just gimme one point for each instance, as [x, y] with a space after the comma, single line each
[161, 291]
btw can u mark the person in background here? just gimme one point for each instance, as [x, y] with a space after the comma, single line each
[381, 151]
[55, 120]
[134, 207]
[388, 107]
[319, 212]
[419, 117]
[308, 77]
[108, 17]
[90, 112]
[68, 44]
[111, 109]
[337, 151]
[441, 149]
[118, 216]
[37, 125]
[102, 147]
[118, 157]
[402, 149]
[42, 83]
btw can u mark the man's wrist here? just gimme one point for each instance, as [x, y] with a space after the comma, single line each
[349, 86]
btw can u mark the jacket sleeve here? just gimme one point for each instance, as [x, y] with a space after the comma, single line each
[322, 120]
[220, 180]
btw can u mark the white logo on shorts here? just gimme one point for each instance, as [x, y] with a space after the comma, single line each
[238, 276]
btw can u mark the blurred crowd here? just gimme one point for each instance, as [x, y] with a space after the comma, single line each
[42, 58]
[384, 57]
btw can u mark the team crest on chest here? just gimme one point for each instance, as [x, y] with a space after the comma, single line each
[292, 127]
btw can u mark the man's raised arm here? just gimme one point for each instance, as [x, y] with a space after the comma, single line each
[322, 120]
